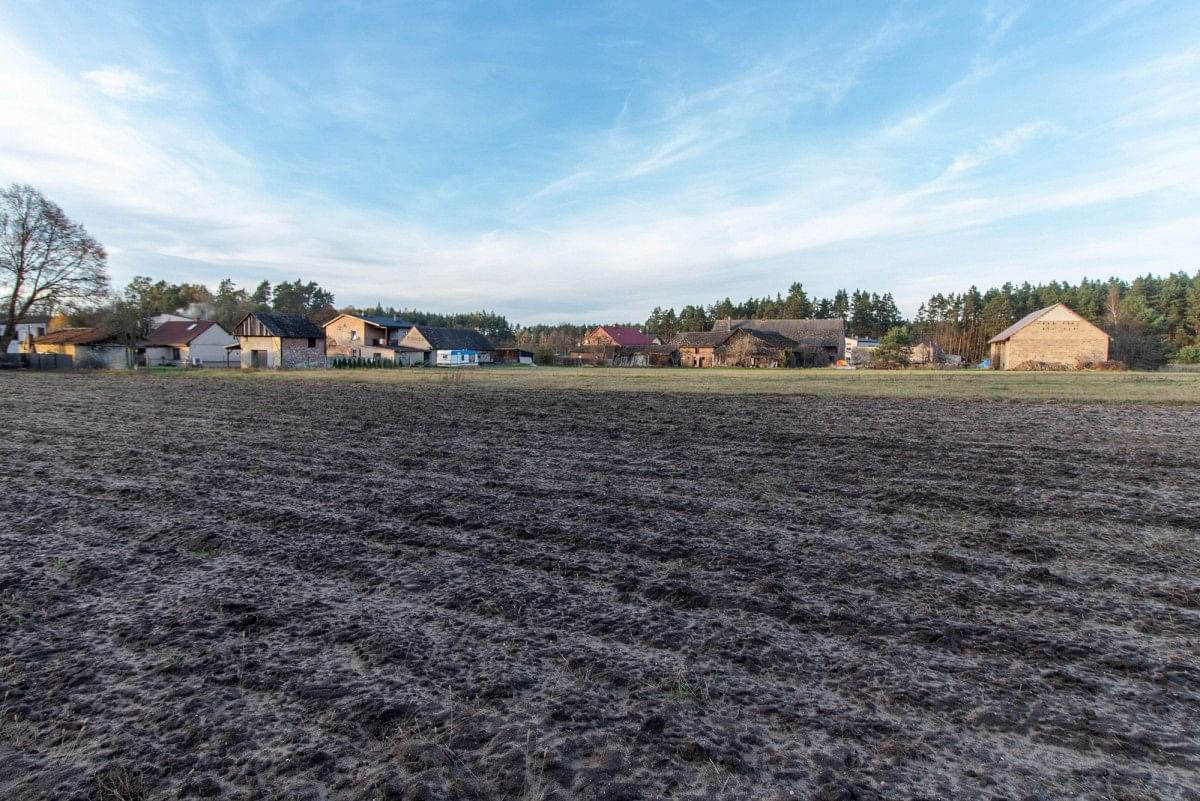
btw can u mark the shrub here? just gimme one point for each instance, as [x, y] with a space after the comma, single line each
[1188, 355]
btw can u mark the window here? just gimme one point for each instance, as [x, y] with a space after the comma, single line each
[312, 342]
[353, 336]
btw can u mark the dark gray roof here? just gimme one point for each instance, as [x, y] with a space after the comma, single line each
[293, 326]
[823, 333]
[453, 338]
[384, 321]
[700, 339]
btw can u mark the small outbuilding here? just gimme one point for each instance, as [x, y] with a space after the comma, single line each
[272, 341]
[1054, 336]
[699, 348]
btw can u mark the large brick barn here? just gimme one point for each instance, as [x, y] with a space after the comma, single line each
[1054, 335]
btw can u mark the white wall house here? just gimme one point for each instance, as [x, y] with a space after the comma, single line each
[186, 343]
[32, 327]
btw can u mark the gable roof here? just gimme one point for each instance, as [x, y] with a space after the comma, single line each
[75, 336]
[288, 326]
[700, 339]
[453, 338]
[626, 335]
[822, 333]
[176, 333]
[1033, 317]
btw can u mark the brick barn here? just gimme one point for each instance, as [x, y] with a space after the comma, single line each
[699, 348]
[272, 341]
[1054, 335]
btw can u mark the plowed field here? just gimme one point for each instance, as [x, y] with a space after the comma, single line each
[269, 589]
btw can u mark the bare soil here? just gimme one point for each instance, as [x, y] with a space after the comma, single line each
[307, 590]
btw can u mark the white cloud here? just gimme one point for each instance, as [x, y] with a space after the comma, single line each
[123, 83]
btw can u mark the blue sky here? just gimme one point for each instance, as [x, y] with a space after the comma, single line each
[588, 162]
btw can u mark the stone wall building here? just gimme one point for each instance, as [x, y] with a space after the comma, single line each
[272, 341]
[1053, 336]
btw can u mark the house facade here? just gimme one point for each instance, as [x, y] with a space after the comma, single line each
[191, 343]
[1054, 335]
[351, 336]
[273, 341]
[30, 327]
[86, 347]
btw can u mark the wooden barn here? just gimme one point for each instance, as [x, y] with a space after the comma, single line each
[821, 342]
[1053, 336]
[271, 341]
[747, 347]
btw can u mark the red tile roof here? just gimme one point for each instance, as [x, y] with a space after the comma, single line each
[626, 336]
[176, 333]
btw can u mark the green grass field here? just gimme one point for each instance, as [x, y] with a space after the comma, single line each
[1159, 388]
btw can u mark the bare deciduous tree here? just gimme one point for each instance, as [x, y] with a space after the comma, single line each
[46, 259]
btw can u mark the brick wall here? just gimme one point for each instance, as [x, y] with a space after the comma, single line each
[297, 353]
[1069, 342]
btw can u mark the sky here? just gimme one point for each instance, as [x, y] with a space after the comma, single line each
[587, 162]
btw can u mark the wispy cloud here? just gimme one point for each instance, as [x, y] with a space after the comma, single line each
[123, 83]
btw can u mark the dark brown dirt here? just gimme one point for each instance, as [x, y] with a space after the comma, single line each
[264, 589]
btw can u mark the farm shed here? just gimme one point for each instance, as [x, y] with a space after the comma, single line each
[1054, 335]
[428, 340]
[824, 340]
[699, 348]
[456, 358]
[181, 343]
[87, 347]
[272, 341]
[746, 347]
[352, 336]
[512, 356]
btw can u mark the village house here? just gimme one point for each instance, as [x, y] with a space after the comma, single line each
[271, 341]
[377, 337]
[616, 345]
[86, 347]
[858, 349]
[1054, 335]
[430, 341]
[31, 326]
[699, 348]
[818, 343]
[191, 343]
[616, 336]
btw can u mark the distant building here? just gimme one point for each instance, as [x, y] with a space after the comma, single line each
[858, 349]
[428, 340]
[823, 341]
[169, 317]
[32, 326]
[272, 341]
[87, 347]
[699, 348]
[1054, 335]
[377, 337]
[616, 336]
[192, 343]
